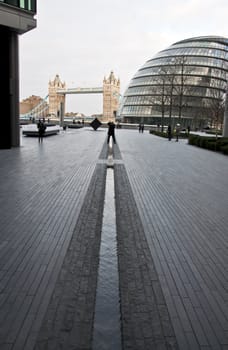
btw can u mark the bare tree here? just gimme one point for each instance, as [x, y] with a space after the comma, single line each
[173, 83]
[161, 98]
[183, 83]
[181, 80]
[165, 85]
[216, 105]
[171, 80]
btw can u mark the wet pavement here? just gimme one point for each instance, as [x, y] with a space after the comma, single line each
[172, 236]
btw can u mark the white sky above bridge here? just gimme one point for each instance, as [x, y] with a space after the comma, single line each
[83, 40]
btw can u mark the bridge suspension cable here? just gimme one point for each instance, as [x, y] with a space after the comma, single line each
[37, 111]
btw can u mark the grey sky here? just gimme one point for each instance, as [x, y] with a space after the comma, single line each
[83, 40]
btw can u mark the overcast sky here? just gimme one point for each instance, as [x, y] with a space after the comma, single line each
[83, 40]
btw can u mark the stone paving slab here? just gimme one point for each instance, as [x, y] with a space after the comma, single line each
[182, 196]
[175, 208]
[68, 323]
[145, 318]
[42, 188]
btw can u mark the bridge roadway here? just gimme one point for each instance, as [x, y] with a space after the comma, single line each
[79, 90]
[172, 226]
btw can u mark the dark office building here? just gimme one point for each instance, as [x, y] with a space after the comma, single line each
[16, 17]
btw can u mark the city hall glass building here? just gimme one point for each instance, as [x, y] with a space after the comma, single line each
[183, 83]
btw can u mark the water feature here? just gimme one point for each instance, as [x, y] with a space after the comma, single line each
[107, 333]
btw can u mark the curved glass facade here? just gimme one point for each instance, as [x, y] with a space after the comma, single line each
[179, 84]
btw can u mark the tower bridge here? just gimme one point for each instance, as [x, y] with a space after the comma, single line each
[58, 91]
[96, 90]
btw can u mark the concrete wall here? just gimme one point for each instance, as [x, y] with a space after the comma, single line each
[9, 131]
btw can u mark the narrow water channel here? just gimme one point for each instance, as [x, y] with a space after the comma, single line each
[107, 328]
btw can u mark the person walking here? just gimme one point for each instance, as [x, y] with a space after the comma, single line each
[188, 129]
[111, 132]
[41, 130]
[177, 132]
[141, 127]
[169, 131]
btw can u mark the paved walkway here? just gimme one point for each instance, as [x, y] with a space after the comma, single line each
[51, 200]
[182, 197]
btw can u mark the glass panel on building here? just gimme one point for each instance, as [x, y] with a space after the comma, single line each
[22, 4]
[12, 2]
[29, 5]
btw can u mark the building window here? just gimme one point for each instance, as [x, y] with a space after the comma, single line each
[29, 5]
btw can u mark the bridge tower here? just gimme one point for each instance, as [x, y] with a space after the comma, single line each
[56, 101]
[111, 93]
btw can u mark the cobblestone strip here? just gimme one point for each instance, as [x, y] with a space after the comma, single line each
[68, 322]
[116, 152]
[104, 151]
[146, 322]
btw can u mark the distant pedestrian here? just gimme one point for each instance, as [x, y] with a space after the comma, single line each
[41, 130]
[177, 132]
[111, 132]
[141, 127]
[188, 129]
[169, 132]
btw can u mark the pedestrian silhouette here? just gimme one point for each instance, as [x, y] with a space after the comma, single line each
[169, 131]
[141, 127]
[111, 132]
[188, 129]
[177, 132]
[41, 130]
